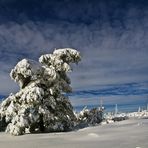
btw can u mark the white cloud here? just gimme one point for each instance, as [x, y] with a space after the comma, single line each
[109, 55]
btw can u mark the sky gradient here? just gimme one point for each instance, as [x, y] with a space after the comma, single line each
[111, 35]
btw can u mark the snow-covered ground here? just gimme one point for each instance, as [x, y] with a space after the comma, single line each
[140, 114]
[132, 133]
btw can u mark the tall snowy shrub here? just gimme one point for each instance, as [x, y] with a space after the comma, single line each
[41, 105]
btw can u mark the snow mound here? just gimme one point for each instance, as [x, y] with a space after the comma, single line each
[93, 135]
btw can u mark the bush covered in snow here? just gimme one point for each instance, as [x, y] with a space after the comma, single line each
[41, 105]
[88, 117]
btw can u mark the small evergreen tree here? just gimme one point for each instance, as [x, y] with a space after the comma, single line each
[41, 105]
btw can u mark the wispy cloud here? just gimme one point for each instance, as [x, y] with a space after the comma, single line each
[112, 94]
[116, 90]
[111, 36]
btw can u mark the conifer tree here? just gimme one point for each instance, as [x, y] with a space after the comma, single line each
[40, 104]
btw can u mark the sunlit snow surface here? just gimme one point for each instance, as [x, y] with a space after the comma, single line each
[125, 134]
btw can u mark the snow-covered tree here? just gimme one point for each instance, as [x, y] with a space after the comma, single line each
[88, 117]
[41, 105]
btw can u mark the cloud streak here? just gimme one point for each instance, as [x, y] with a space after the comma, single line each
[111, 36]
[130, 93]
[116, 90]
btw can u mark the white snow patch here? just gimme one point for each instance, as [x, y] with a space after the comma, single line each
[93, 135]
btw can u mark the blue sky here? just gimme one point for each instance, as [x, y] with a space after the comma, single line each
[111, 36]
